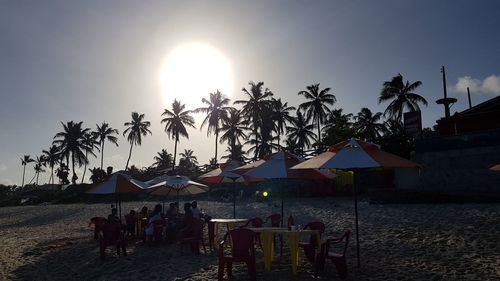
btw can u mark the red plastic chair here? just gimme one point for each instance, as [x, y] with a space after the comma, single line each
[158, 227]
[242, 251]
[195, 237]
[310, 247]
[275, 220]
[98, 223]
[253, 222]
[338, 259]
[112, 234]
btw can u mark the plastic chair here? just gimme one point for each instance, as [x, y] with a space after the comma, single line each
[253, 222]
[338, 259]
[98, 223]
[195, 237]
[158, 227]
[290, 222]
[310, 247]
[111, 234]
[275, 220]
[242, 250]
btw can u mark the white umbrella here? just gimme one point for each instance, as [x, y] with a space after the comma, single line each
[179, 185]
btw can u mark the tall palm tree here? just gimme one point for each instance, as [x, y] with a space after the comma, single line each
[40, 162]
[52, 158]
[136, 129]
[71, 142]
[25, 160]
[257, 103]
[367, 124]
[163, 159]
[91, 143]
[236, 153]
[317, 106]
[233, 128]
[281, 115]
[338, 127]
[176, 122]
[402, 95]
[300, 132]
[105, 133]
[216, 111]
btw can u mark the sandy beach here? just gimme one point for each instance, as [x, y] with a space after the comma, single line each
[398, 242]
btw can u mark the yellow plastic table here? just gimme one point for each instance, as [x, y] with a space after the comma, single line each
[230, 224]
[267, 239]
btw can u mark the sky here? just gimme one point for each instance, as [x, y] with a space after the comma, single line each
[96, 61]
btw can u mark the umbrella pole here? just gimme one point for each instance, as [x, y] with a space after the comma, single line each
[120, 206]
[282, 195]
[355, 189]
[234, 199]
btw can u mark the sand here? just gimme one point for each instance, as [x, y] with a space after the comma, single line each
[399, 242]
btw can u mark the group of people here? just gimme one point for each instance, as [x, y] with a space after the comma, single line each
[177, 224]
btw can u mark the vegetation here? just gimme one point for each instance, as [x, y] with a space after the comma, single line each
[253, 127]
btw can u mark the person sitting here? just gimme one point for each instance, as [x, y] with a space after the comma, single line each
[172, 212]
[131, 221]
[113, 217]
[195, 210]
[155, 216]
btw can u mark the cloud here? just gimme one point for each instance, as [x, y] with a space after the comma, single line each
[6, 182]
[3, 167]
[490, 85]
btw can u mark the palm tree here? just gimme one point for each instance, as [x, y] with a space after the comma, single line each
[233, 127]
[281, 115]
[176, 122]
[190, 161]
[257, 103]
[39, 163]
[136, 128]
[300, 132]
[338, 127]
[367, 124]
[71, 142]
[317, 106]
[91, 143]
[103, 133]
[25, 160]
[216, 111]
[402, 96]
[236, 153]
[163, 159]
[52, 158]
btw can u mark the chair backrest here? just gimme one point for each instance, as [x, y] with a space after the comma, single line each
[315, 225]
[275, 220]
[98, 221]
[290, 221]
[256, 222]
[111, 233]
[242, 242]
[197, 226]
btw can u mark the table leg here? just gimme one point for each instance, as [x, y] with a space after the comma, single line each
[293, 243]
[268, 249]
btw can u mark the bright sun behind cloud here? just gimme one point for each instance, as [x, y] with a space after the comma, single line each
[192, 71]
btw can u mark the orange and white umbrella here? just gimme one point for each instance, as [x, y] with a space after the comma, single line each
[355, 155]
[496, 168]
[177, 185]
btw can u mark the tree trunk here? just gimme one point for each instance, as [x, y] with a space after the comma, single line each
[51, 179]
[24, 171]
[319, 136]
[102, 152]
[175, 151]
[37, 174]
[32, 179]
[129, 155]
[85, 166]
[73, 179]
[216, 141]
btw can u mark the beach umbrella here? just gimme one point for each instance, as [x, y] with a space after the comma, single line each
[224, 174]
[177, 185]
[118, 183]
[277, 167]
[355, 155]
[496, 168]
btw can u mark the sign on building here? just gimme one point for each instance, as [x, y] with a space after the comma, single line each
[413, 123]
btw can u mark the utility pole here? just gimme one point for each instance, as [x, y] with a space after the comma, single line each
[468, 96]
[446, 101]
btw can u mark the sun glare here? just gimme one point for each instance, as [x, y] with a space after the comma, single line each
[192, 71]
